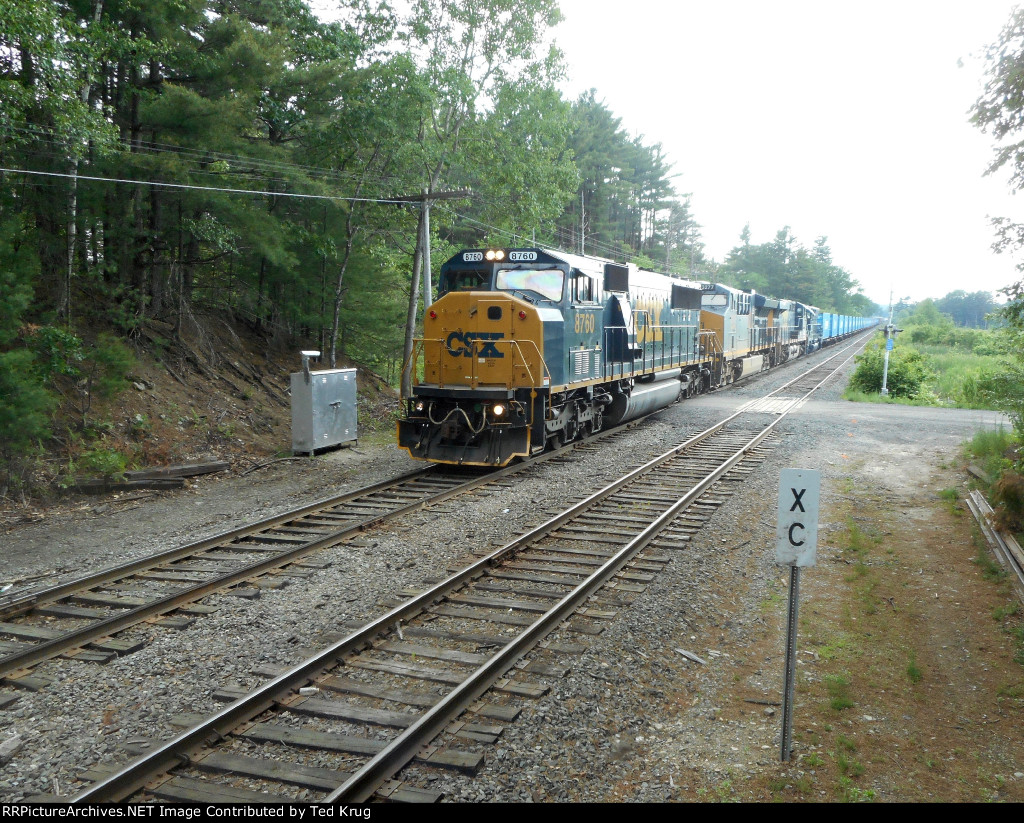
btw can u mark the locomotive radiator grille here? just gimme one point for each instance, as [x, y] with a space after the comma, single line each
[585, 362]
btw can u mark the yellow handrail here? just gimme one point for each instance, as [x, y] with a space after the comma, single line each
[515, 347]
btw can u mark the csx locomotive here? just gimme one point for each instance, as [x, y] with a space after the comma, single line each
[527, 349]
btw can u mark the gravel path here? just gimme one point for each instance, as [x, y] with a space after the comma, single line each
[633, 720]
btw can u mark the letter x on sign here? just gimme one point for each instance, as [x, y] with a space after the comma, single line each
[796, 537]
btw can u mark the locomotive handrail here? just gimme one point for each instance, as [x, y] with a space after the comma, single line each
[419, 347]
[613, 367]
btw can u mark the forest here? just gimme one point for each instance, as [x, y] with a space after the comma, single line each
[166, 163]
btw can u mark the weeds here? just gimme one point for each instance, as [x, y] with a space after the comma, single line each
[838, 688]
[951, 496]
[914, 673]
[991, 570]
[849, 793]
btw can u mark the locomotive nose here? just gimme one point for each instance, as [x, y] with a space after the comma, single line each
[484, 339]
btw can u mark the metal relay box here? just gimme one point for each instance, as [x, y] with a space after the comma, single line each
[323, 409]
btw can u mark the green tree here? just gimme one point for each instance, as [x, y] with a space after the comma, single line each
[473, 54]
[1000, 112]
[24, 402]
[785, 268]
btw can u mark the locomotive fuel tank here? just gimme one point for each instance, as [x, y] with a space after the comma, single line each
[644, 399]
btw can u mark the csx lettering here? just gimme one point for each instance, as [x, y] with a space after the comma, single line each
[586, 322]
[460, 344]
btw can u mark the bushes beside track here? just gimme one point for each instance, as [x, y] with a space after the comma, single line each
[907, 370]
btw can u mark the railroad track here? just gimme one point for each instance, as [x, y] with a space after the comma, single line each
[78, 619]
[433, 681]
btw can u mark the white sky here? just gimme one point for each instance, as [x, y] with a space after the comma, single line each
[835, 118]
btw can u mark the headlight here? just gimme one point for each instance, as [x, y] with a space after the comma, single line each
[420, 405]
[498, 409]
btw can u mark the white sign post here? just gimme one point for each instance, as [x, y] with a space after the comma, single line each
[796, 546]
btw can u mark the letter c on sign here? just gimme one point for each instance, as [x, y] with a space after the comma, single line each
[793, 542]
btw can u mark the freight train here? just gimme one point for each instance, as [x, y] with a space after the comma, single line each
[527, 349]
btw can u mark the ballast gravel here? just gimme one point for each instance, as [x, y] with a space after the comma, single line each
[599, 734]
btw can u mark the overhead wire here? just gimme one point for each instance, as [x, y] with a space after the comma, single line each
[162, 184]
[563, 237]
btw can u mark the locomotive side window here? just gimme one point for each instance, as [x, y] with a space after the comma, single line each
[584, 289]
[547, 283]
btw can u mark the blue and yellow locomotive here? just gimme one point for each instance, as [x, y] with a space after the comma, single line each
[527, 349]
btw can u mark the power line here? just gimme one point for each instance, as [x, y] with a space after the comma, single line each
[146, 148]
[203, 188]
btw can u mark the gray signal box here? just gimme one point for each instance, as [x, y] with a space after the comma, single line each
[323, 409]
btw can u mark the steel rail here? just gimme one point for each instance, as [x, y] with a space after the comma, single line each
[16, 604]
[359, 787]
[134, 776]
[111, 625]
[47, 649]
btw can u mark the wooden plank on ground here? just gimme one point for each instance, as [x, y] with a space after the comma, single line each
[468, 762]
[429, 652]
[181, 470]
[193, 790]
[62, 610]
[439, 675]
[24, 631]
[339, 710]
[489, 616]
[307, 777]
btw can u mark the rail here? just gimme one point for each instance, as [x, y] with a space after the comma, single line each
[386, 758]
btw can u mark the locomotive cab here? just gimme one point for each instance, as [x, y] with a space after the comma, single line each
[482, 357]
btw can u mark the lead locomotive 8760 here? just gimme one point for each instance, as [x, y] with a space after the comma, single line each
[529, 348]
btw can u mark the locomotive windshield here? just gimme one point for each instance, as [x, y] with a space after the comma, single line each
[466, 280]
[547, 283]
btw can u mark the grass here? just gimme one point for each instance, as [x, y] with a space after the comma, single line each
[958, 374]
[956, 378]
[914, 673]
[838, 687]
[951, 496]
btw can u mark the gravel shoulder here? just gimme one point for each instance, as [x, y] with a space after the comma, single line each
[897, 626]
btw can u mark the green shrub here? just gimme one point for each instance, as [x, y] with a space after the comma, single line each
[105, 462]
[59, 353]
[108, 362]
[65, 361]
[907, 372]
[24, 413]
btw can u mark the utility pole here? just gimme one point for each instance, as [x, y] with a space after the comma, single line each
[583, 223]
[890, 337]
[423, 235]
[421, 262]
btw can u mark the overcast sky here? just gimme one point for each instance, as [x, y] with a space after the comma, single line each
[847, 120]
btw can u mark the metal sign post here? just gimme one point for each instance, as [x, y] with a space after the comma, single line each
[796, 545]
